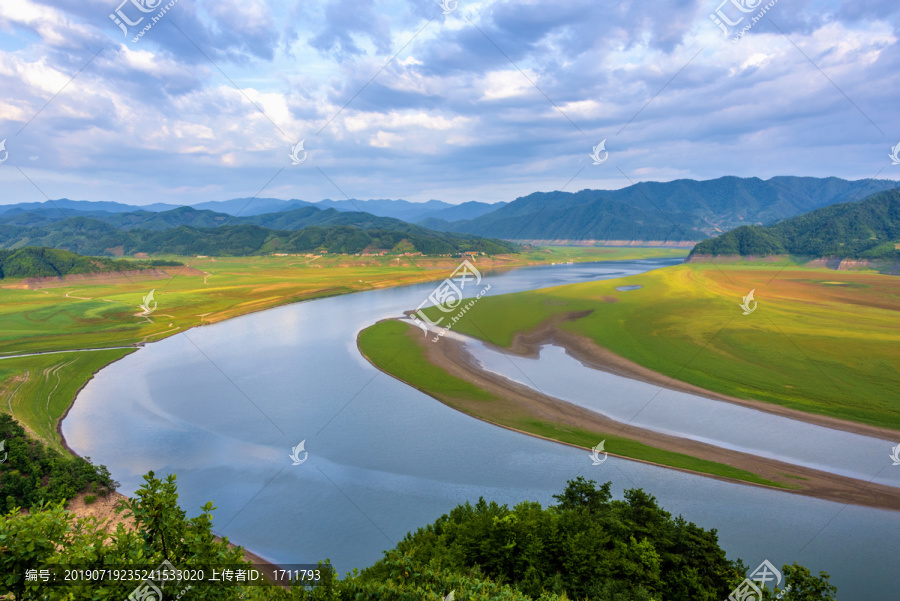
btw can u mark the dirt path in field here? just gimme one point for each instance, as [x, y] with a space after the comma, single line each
[518, 404]
[11, 394]
[69, 295]
[54, 371]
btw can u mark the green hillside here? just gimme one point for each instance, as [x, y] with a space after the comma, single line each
[32, 262]
[90, 236]
[869, 229]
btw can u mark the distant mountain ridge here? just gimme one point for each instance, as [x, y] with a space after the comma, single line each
[670, 211]
[869, 229]
[679, 211]
[306, 229]
[410, 212]
[293, 219]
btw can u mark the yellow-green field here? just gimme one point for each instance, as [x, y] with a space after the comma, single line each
[103, 313]
[820, 341]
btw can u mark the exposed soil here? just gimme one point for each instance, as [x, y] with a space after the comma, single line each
[518, 403]
[594, 356]
[104, 509]
[101, 278]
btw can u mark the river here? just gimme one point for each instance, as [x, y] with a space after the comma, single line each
[223, 405]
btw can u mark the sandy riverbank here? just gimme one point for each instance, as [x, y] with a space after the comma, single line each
[596, 357]
[518, 402]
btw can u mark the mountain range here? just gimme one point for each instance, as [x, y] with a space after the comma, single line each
[680, 210]
[676, 210]
[684, 211]
[187, 231]
[411, 212]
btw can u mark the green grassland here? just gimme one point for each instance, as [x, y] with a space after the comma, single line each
[820, 341]
[391, 348]
[99, 313]
[38, 389]
[387, 345]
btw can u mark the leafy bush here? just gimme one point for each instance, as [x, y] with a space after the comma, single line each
[33, 473]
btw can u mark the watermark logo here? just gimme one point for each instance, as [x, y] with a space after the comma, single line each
[751, 588]
[895, 160]
[746, 304]
[6, 453]
[149, 591]
[295, 453]
[5, 153]
[146, 304]
[450, 596]
[601, 147]
[740, 8]
[449, 6]
[595, 455]
[895, 457]
[448, 297]
[296, 159]
[719, 18]
[766, 573]
[144, 7]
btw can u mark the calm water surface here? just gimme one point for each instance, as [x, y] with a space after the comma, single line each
[222, 406]
[725, 425]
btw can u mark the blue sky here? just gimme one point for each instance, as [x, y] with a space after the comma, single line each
[493, 100]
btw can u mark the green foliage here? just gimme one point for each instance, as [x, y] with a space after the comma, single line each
[869, 229]
[801, 585]
[37, 261]
[587, 547]
[34, 474]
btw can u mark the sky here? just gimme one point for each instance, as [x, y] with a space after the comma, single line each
[197, 100]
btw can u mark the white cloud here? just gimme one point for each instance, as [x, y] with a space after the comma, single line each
[450, 115]
[509, 83]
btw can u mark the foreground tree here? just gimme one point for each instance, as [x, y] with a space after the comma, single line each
[588, 546]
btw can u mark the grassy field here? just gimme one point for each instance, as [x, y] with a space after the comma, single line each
[37, 390]
[103, 313]
[391, 348]
[819, 340]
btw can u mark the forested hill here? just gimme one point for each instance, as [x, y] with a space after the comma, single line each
[37, 261]
[869, 229]
[90, 236]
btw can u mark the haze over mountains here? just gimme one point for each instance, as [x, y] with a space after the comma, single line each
[399, 209]
[676, 211]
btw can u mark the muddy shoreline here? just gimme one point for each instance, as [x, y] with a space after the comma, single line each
[520, 402]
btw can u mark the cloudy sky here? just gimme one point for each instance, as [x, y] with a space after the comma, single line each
[490, 101]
